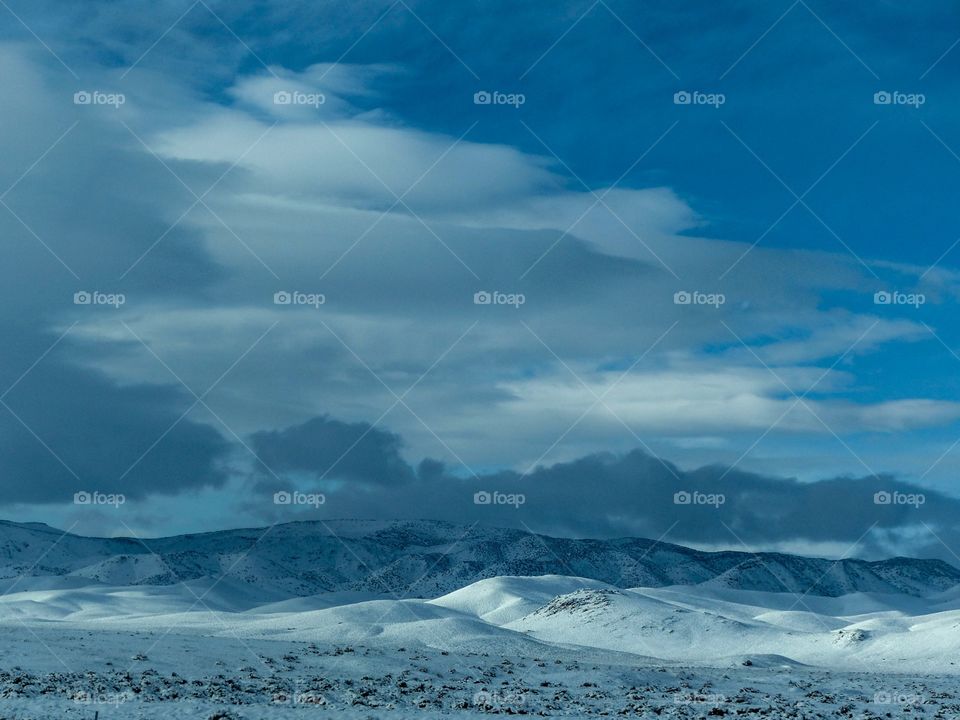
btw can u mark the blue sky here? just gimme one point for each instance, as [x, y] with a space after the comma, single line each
[785, 189]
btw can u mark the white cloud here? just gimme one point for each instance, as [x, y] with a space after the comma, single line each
[399, 296]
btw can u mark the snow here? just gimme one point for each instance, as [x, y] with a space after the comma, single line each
[98, 633]
[502, 600]
[430, 559]
[57, 671]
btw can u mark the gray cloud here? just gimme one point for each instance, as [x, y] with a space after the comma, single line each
[69, 429]
[398, 295]
[323, 447]
[67, 426]
[609, 495]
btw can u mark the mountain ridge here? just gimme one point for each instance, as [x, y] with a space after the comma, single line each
[424, 558]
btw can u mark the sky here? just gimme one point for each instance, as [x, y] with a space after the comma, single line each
[672, 269]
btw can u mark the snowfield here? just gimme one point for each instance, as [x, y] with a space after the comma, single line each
[550, 646]
[71, 673]
[235, 646]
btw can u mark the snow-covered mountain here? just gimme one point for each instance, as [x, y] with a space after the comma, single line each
[226, 621]
[428, 559]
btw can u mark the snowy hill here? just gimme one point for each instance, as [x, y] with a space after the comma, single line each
[546, 645]
[428, 559]
[531, 617]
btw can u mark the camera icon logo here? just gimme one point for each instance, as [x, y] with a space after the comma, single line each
[882, 98]
[482, 498]
[483, 698]
[482, 98]
[282, 498]
[282, 297]
[82, 97]
[682, 98]
[682, 297]
[82, 498]
[682, 498]
[482, 298]
[82, 298]
[282, 97]
[882, 297]
[882, 498]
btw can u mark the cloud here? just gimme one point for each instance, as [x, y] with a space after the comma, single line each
[66, 426]
[310, 205]
[325, 448]
[65, 430]
[636, 494]
[705, 398]
[358, 164]
[306, 200]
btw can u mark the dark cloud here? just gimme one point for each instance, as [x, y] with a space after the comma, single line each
[67, 429]
[326, 448]
[83, 203]
[607, 495]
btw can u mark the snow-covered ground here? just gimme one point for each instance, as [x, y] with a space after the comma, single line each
[549, 646]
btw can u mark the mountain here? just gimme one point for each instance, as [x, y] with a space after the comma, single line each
[427, 558]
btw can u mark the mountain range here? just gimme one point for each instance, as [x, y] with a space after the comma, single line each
[423, 558]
